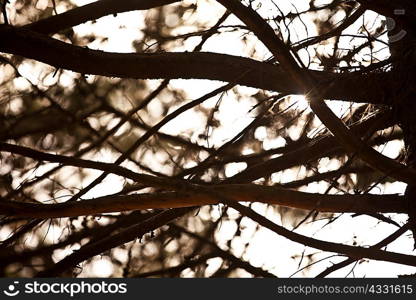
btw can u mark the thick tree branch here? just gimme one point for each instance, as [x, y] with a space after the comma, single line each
[238, 192]
[196, 65]
[194, 195]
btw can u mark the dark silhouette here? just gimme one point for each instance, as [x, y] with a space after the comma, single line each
[93, 169]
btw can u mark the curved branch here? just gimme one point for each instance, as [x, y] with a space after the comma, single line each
[392, 237]
[188, 65]
[351, 251]
[90, 12]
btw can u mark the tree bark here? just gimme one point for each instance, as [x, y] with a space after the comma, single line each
[403, 55]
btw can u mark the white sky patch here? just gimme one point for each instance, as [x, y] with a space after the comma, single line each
[5, 232]
[260, 133]
[213, 265]
[60, 254]
[66, 79]
[15, 106]
[30, 71]
[226, 230]
[42, 4]
[232, 169]
[127, 26]
[274, 143]
[185, 122]
[301, 103]
[234, 115]
[247, 151]
[21, 84]
[82, 2]
[102, 267]
[196, 88]
[391, 149]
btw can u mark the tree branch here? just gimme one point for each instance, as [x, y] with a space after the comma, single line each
[107, 243]
[90, 12]
[351, 251]
[82, 163]
[395, 235]
[188, 65]
[200, 196]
